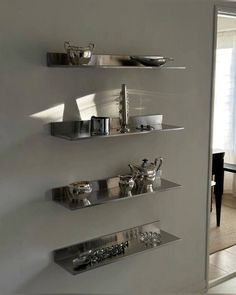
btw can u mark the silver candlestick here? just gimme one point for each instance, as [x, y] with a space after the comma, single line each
[124, 109]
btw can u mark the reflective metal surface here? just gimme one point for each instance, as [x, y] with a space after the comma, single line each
[72, 130]
[145, 174]
[152, 60]
[78, 55]
[110, 248]
[103, 191]
[106, 61]
[124, 110]
[100, 126]
[98, 255]
[126, 184]
[145, 120]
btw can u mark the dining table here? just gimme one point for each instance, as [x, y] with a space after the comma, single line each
[218, 173]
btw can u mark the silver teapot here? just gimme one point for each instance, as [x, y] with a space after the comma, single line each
[145, 174]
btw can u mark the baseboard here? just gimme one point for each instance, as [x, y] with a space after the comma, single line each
[194, 288]
[221, 279]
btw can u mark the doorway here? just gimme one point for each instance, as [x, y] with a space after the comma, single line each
[222, 239]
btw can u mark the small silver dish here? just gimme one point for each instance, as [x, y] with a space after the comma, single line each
[151, 61]
[145, 128]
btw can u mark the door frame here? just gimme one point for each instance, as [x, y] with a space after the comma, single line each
[227, 10]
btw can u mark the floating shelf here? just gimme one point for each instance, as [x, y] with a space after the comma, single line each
[103, 191]
[71, 130]
[60, 60]
[107, 249]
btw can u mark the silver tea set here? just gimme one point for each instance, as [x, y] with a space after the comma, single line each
[141, 179]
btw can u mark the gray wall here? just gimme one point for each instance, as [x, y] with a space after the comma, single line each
[32, 162]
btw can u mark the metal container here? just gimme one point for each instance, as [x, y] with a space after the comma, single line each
[124, 109]
[145, 174]
[80, 187]
[78, 55]
[126, 185]
[100, 125]
[79, 191]
[71, 129]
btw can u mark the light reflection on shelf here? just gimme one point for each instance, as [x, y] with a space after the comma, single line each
[54, 114]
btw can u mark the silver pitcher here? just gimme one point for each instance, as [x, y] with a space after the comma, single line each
[145, 174]
[126, 184]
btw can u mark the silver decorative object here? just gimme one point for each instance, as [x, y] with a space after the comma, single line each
[123, 110]
[100, 125]
[103, 191]
[145, 174]
[150, 237]
[99, 255]
[78, 191]
[80, 187]
[126, 184]
[152, 61]
[56, 59]
[145, 128]
[78, 55]
[90, 254]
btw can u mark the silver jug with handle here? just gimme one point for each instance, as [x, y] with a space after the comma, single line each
[126, 184]
[145, 174]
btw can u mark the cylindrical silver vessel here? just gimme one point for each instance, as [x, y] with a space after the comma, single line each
[100, 125]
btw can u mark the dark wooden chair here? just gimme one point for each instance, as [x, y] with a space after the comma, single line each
[230, 167]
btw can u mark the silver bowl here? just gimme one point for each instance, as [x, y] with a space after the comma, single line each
[78, 55]
[151, 61]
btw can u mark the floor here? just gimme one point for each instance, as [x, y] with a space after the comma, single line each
[228, 287]
[224, 236]
[223, 262]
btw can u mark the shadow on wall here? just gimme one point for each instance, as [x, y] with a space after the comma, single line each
[39, 163]
[104, 103]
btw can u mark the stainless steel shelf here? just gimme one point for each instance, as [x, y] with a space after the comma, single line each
[108, 248]
[103, 191]
[70, 130]
[60, 60]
